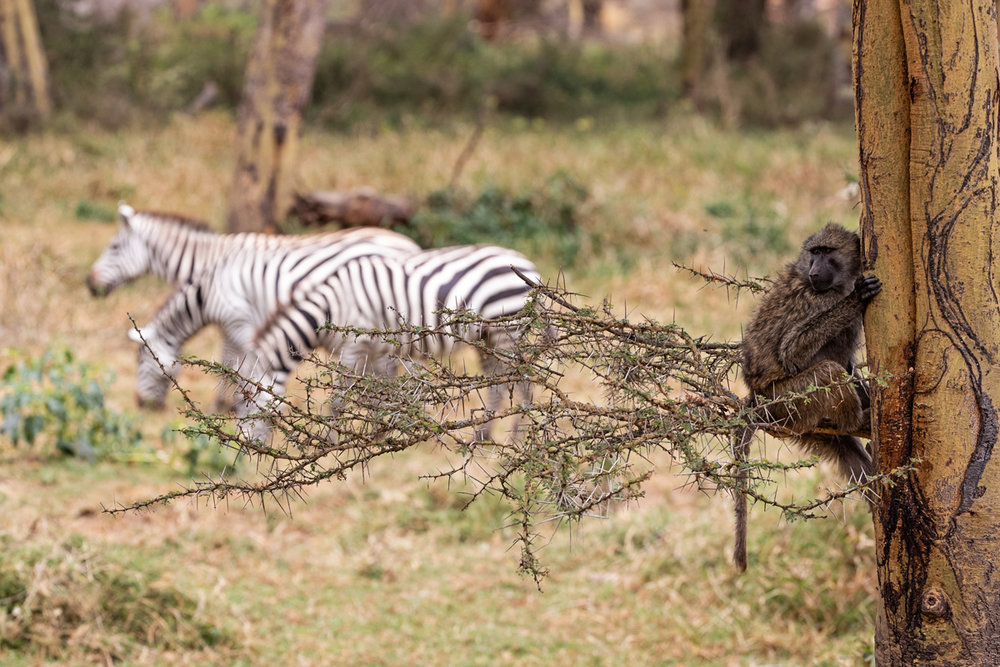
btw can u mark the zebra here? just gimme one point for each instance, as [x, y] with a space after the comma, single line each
[240, 294]
[178, 250]
[366, 292]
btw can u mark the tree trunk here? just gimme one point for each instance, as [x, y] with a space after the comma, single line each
[926, 91]
[25, 59]
[278, 82]
[696, 40]
[741, 23]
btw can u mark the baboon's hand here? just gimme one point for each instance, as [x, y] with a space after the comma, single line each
[867, 287]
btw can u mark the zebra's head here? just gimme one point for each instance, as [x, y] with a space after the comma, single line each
[151, 382]
[127, 257]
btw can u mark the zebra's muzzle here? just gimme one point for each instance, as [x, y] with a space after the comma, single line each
[95, 289]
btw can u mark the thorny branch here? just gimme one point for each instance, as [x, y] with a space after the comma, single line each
[564, 458]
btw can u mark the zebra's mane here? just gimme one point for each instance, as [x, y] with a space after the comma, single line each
[177, 219]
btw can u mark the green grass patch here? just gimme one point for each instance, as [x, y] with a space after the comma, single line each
[544, 220]
[71, 599]
[90, 210]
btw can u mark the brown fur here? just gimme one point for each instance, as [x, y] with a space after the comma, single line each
[804, 336]
[800, 337]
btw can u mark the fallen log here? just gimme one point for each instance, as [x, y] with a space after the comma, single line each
[360, 207]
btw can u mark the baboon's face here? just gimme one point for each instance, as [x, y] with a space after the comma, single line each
[831, 260]
[825, 267]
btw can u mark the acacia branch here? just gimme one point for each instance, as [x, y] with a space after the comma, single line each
[554, 455]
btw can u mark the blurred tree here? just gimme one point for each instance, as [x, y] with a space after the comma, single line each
[741, 23]
[695, 53]
[185, 9]
[24, 89]
[278, 83]
[584, 17]
[492, 15]
[926, 90]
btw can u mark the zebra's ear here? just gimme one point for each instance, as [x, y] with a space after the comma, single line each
[125, 213]
[134, 335]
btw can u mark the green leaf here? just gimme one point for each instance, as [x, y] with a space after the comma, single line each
[11, 427]
[33, 425]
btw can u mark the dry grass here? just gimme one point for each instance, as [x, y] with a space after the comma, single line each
[389, 569]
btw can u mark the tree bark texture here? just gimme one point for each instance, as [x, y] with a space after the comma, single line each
[741, 23]
[926, 91]
[695, 49]
[278, 84]
[25, 58]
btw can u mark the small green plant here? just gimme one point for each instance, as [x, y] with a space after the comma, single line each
[55, 400]
[91, 210]
[541, 220]
[202, 452]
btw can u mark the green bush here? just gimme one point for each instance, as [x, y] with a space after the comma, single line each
[440, 66]
[434, 66]
[201, 454]
[107, 71]
[53, 400]
[790, 80]
[538, 221]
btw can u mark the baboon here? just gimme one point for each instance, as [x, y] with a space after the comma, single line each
[805, 333]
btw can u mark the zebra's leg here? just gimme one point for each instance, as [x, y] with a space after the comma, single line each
[251, 400]
[225, 397]
[501, 392]
[361, 357]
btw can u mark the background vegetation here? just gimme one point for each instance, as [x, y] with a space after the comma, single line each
[605, 182]
[427, 68]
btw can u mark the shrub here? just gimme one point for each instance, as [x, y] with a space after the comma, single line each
[56, 401]
[438, 66]
[538, 221]
[108, 70]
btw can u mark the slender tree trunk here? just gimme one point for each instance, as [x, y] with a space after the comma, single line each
[25, 58]
[278, 83]
[697, 40]
[926, 85]
[741, 23]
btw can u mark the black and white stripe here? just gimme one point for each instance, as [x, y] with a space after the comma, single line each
[381, 293]
[242, 292]
[180, 250]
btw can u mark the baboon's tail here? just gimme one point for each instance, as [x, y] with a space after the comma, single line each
[741, 448]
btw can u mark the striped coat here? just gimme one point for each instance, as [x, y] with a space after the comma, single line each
[368, 291]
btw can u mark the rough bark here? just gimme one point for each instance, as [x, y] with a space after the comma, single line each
[278, 83]
[25, 59]
[741, 23]
[695, 51]
[926, 87]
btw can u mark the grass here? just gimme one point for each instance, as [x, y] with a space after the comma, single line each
[390, 569]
